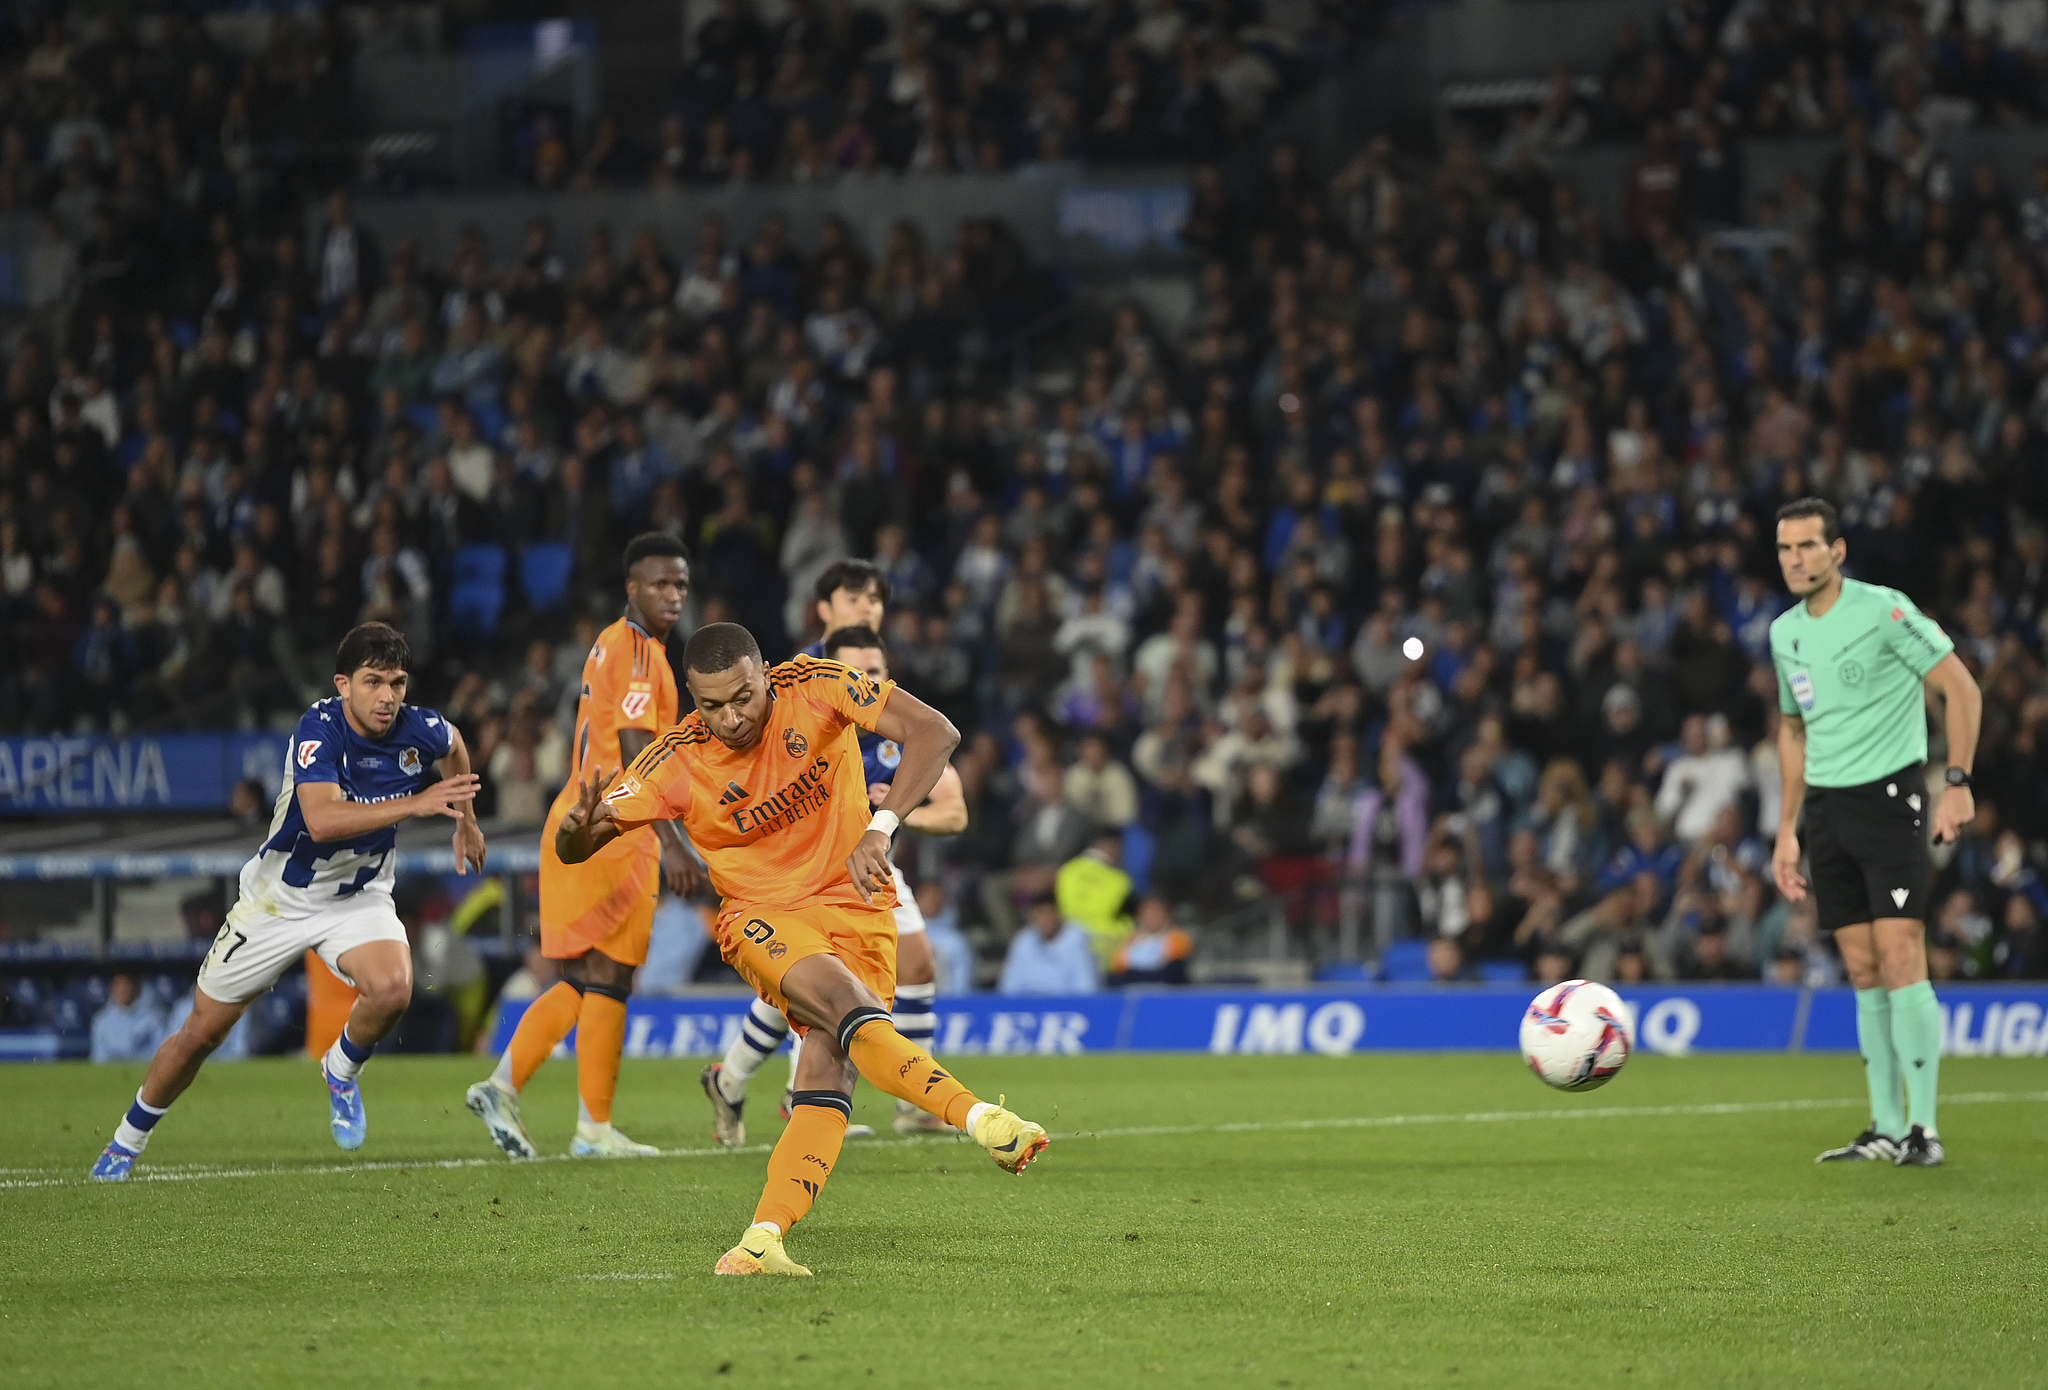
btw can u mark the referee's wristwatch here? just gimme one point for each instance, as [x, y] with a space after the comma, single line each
[1956, 777]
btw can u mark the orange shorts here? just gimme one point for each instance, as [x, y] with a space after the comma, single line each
[597, 911]
[762, 943]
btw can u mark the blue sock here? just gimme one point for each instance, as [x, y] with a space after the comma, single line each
[133, 1131]
[353, 1050]
[914, 1015]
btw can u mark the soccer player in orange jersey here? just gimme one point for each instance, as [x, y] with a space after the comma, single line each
[596, 917]
[766, 776]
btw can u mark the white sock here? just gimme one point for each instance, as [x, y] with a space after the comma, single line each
[501, 1075]
[769, 1226]
[975, 1112]
[796, 1052]
[761, 1032]
[340, 1065]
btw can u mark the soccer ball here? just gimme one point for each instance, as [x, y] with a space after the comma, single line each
[1575, 1036]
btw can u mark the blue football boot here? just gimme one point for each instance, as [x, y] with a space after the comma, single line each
[345, 1111]
[114, 1165]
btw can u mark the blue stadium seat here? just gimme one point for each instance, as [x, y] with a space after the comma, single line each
[489, 417]
[473, 609]
[1140, 848]
[1503, 972]
[544, 570]
[480, 563]
[1343, 972]
[1406, 963]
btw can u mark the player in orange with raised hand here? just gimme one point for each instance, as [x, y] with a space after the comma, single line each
[596, 917]
[767, 778]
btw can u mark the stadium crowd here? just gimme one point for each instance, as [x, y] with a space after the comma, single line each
[1419, 580]
[833, 89]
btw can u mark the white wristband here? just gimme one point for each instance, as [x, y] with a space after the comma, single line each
[886, 822]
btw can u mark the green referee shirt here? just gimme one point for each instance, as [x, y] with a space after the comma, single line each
[1855, 677]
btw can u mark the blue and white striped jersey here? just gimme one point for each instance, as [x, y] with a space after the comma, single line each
[295, 876]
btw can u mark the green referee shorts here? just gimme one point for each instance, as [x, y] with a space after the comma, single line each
[1867, 849]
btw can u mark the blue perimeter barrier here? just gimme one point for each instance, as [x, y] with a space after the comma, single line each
[159, 772]
[1977, 1020]
[520, 857]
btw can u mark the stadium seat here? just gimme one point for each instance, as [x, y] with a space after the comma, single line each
[1503, 972]
[1406, 962]
[480, 563]
[1343, 972]
[1140, 848]
[544, 570]
[489, 417]
[473, 609]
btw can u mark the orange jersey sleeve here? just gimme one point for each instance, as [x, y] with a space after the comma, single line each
[774, 821]
[658, 785]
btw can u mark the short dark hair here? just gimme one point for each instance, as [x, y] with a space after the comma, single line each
[379, 646]
[1830, 519]
[654, 543]
[717, 647]
[861, 576]
[858, 635]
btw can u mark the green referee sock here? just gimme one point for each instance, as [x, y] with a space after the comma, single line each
[1880, 1062]
[1916, 1039]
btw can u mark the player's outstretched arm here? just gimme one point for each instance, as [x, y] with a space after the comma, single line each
[927, 739]
[588, 826]
[332, 816]
[1965, 715]
[469, 836]
[684, 874]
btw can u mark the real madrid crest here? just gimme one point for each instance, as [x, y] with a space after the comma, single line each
[793, 743]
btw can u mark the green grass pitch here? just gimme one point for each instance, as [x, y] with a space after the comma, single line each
[1232, 1221]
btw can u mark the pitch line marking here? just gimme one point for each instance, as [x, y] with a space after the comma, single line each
[599, 1278]
[204, 1172]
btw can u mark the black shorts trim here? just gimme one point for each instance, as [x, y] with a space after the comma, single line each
[1867, 851]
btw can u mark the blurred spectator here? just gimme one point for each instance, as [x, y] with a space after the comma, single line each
[1155, 953]
[1702, 781]
[952, 953]
[1093, 890]
[128, 1026]
[1050, 955]
[1101, 788]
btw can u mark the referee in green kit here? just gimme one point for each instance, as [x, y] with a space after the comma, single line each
[1852, 659]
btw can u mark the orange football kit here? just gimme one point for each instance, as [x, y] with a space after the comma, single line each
[775, 823]
[606, 903]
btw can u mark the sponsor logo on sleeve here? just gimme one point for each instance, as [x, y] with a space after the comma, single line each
[1802, 690]
[635, 704]
[307, 748]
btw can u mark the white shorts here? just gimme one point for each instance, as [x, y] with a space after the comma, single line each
[254, 948]
[909, 916]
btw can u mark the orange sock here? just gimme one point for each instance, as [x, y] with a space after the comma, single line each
[600, 1037]
[803, 1157]
[893, 1063]
[542, 1027]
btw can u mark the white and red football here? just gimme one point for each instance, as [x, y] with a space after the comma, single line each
[1576, 1036]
